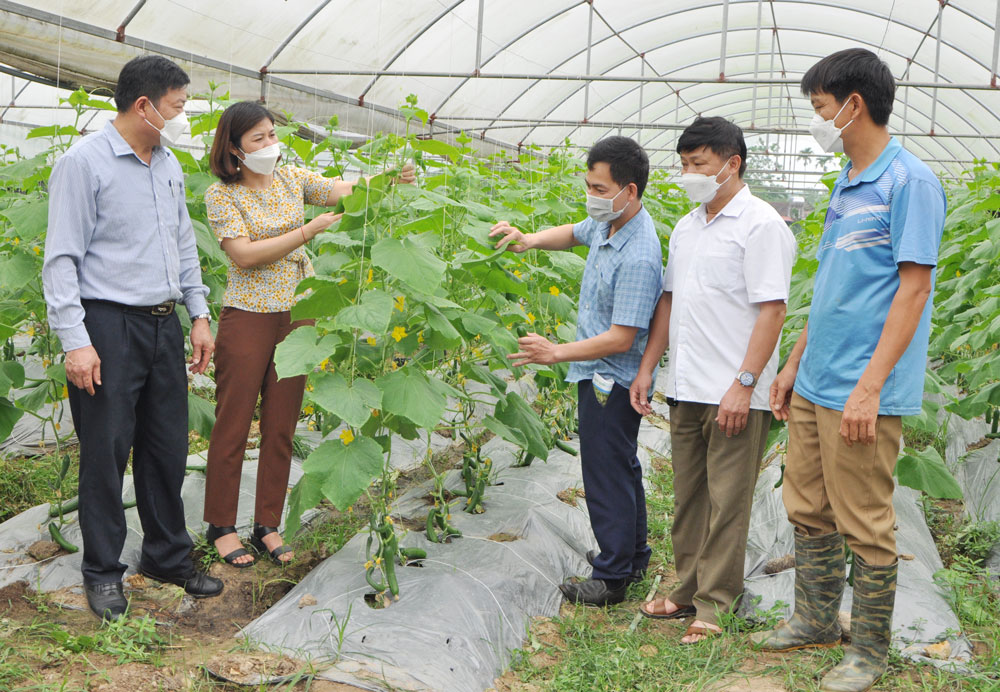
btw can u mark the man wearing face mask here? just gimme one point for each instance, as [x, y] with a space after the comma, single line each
[857, 368]
[621, 283]
[119, 255]
[723, 305]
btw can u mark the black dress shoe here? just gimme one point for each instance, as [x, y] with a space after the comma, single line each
[106, 600]
[594, 592]
[637, 574]
[195, 583]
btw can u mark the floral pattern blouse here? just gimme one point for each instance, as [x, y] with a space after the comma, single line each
[235, 211]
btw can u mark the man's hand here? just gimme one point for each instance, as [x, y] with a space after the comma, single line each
[734, 409]
[639, 393]
[407, 175]
[860, 414]
[781, 391]
[202, 345]
[83, 368]
[534, 348]
[519, 241]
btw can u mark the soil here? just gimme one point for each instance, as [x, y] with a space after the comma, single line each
[570, 495]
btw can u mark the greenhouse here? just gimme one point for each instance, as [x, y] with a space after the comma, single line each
[563, 345]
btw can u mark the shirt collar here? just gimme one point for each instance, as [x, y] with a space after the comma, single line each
[122, 148]
[875, 170]
[618, 240]
[734, 207]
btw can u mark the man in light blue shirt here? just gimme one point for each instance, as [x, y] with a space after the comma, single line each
[857, 368]
[621, 284]
[119, 254]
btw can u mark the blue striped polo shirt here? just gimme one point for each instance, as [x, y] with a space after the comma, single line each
[892, 212]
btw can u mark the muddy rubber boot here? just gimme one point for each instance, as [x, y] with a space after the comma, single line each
[865, 659]
[819, 584]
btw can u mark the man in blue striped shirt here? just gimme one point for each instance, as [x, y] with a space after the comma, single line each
[119, 254]
[621, 285]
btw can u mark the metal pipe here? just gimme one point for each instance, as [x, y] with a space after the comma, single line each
[120, 32]
[937, 65]
[756, 62]
[722, 50]
[590, 47]
[295, 32]
[642, 68]
[479, 37]
[906, 100]
[996, 48]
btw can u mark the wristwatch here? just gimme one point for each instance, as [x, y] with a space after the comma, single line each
[203, 316]
[746, 378]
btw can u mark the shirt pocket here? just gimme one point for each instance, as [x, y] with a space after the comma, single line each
[169, 198]
[721, 270]
[605, 293]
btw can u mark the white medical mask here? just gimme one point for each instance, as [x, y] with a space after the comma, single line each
[263, 160]
[601, 209]
[702, 188]
[827, 133]
[172, 129]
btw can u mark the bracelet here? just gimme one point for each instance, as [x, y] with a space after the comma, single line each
[302, 228]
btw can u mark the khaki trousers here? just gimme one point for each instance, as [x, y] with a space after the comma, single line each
[832, 487]
[244, 370]
[714, 478]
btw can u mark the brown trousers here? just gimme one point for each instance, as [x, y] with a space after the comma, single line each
[832, 487]
[714, 478]
[244, 369]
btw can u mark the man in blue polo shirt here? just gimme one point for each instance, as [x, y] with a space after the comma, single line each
[857, 368]
[621, 284]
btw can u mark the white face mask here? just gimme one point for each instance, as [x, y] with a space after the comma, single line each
[827, 133]
[601, 209]
[702, 188]
[263, 160]
[172, 129]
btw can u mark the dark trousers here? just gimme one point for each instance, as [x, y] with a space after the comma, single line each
[141, 404]
[612, 481]
[244, 370]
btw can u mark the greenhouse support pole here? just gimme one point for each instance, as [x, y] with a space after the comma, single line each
[996, 48]
[590, 46]
[756, 63]
[479, 37]
[642, 71]
[937, 68]
[906, 100]
[120, 31]
[722, 48]
[770, 88]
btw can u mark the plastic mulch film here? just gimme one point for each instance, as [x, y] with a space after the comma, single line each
[921, 617]
[978, 473]
[18, 533]
[460, 614]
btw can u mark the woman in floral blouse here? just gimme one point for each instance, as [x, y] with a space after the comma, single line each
[257, 212]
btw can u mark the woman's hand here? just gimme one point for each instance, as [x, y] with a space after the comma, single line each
[407, 175]
[320, 224]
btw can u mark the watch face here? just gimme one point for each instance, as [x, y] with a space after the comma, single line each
[746, 379]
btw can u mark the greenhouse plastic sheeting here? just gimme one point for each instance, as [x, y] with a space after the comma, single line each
[461, 613]
[978, 473]
[921, 616]
[18, 533]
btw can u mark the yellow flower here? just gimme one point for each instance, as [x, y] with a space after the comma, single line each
[554, 290]
[37, 250]
[45, 362]
[375, 412]
[371, 277]
[517, 273]
[350, 509]
[420, 337]
[399, 333]
[17, 241]
[958, 272]
[347, 437]
[388, 520]
[378, 561]
[65, 392]
[311, 425]
[400, 302]
[57, 425]
[309, 387]
[531, 318]
[369, 564]
[370, 340]
[448, 517]
[308, 410]
[343, 280]
[322, 366]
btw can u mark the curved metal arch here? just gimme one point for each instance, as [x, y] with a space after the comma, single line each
[293, 34]
[827, 3]
[664, 114]
[796, 29]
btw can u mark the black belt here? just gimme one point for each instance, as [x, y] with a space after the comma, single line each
[161, 310]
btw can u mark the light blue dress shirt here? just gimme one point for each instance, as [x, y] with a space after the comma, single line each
[118, 230]
[621, 285]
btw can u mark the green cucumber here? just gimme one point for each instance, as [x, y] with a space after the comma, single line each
[564, 446]
[58, 538]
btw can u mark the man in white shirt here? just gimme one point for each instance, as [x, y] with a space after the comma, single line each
[723, 305]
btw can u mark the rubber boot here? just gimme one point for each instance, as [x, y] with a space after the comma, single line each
[865, 659]
[819, 584]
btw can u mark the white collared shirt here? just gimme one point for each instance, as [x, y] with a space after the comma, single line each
[718, 272]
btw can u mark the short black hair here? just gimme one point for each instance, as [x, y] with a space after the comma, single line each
[626, 159]
[723, 137]
[855, 70]
[151, 76]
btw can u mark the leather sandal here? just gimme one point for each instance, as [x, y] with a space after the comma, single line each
[255, 540]
[682, 611]
[214, 533]
[706, 632]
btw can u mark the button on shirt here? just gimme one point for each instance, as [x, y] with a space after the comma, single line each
[718, 271]
[892, 212]
[118, 230]
[621, 284]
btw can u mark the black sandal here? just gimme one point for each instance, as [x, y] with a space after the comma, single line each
[255, 540]
[214, 533]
